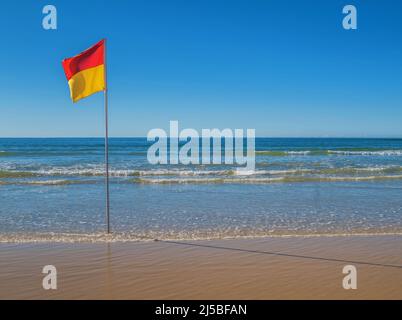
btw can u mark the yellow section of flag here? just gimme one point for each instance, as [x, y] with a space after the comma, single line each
[87, 82]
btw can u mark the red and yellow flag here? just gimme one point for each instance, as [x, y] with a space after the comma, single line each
[86, 72]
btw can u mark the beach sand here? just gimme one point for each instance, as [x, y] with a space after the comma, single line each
[265, 268]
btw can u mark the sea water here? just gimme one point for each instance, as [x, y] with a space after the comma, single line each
[53, 188]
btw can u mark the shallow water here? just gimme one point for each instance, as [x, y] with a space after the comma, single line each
[53, 188]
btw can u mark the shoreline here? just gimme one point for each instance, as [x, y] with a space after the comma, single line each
[121, 237]
[264, 268]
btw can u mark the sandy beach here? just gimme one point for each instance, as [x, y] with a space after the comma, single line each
[265, 268]
[192, 150]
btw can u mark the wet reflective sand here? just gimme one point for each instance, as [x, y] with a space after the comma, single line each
[266, 268]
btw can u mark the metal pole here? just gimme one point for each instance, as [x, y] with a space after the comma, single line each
[106, 147]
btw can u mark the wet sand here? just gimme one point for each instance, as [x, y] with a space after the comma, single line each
[266, 268]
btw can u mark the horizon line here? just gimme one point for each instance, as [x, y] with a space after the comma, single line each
[259, 137]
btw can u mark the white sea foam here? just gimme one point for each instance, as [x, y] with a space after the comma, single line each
[367, 153]
[62, 171]
[57, 182]
[72, 171]
[124, 237]
[298, 152]
[264, 180]
[321, 152]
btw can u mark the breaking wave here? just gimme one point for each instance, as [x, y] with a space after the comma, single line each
[57, 182]
[187, 172]
[351, 152]
[262, 180]
[73, 175]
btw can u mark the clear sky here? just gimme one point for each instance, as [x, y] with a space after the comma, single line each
[285, 68]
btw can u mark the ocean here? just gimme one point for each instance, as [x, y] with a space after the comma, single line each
[53, 189]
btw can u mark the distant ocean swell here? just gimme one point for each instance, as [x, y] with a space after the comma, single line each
[272, 153]
[315, 152]
[74, 161]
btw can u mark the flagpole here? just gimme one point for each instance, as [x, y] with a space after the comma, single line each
[106, 147]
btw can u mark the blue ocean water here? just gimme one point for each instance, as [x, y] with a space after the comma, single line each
[54, 188]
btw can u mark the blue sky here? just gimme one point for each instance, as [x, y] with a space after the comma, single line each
[285, 68]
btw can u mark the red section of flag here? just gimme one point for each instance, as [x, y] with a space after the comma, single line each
[89, 58]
